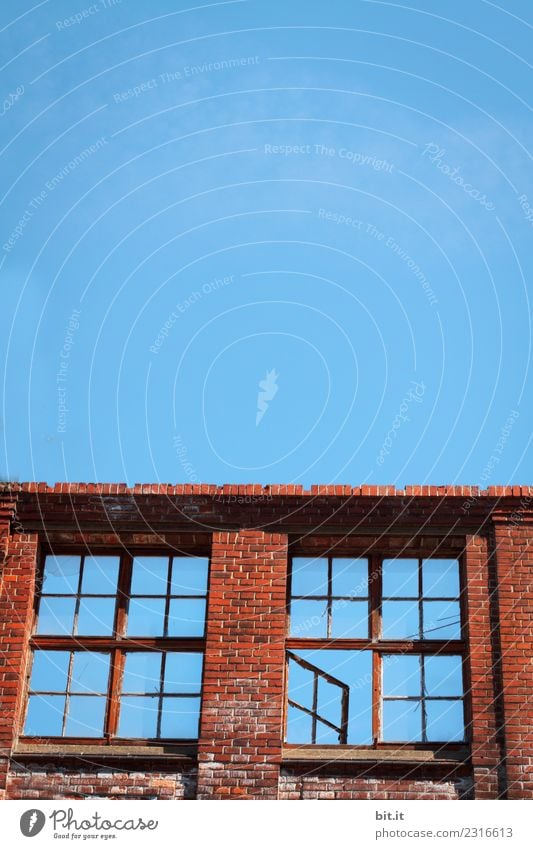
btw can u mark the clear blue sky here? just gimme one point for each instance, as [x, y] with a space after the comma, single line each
[332, 200]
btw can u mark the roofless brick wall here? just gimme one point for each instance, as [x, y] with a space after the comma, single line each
[251, 535]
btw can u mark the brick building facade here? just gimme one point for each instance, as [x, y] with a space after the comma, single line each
[399, 728]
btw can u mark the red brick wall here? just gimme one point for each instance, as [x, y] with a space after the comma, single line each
[240, 743]
[37, 782]
[514, 558]
[334, 787]
[16, 609]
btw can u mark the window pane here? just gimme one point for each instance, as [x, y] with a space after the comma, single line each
[442, 620]
[440, 578]
[309, 618]
[146, 617]
[350, 577]
[138, 716]
[183, 672]
[45, 716]
[186, 617]
[349, 619]
[400, 578]
[61, 573]
[56, 615]
[180, 717]
[444, 675]
[90, 672]
[309, 576]
[402, 675]
[100, 575]
[49, 671]
[400, 620]
[189, 575]
[300, 684]
[142, 672]
[85, 716]
[95, 617]
[402, 721]
[445, 721]
[329, 704]
[149, 575]
[298, 726]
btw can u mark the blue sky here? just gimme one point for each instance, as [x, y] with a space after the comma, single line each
[259, 241]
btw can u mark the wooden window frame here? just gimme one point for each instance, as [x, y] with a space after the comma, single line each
[380, 646]
[117, 645]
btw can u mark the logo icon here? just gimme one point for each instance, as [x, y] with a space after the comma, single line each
[32, 822]
[268, 388]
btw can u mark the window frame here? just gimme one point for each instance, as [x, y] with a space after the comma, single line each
[117, 645]
[380, 646]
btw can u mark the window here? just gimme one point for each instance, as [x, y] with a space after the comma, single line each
[375, 651]
[118, 648]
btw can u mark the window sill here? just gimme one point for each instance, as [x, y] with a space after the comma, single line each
[443, 755]
[96, 754]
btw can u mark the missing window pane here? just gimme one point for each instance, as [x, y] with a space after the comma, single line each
[402, 721]
[90, 672]
[180, 718]
[146, 617]
[49, 671]
[138, 716]
[183, 672]
[95, 617]
[400, 620]
[56, 615]
[350, 577]
[400, 578]
[61, 574]
[442, 620]
[349, 619]
[150, 576]
[142, 672]
[440, 578]
[445, 721]
[45, 716]
[85, 716]
[402, 675]
[309, 618]
[100, 575]
[186, 617]
[189, 576]
[309, 576]
[444, 675]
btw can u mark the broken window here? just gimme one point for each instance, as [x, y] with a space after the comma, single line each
[375, 651]
[118, 648]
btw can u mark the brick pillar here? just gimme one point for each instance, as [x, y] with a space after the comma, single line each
[17, 582]
[241, 730]
[483, 653]
[514, 558]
